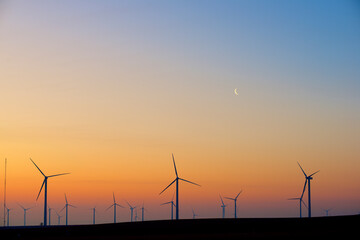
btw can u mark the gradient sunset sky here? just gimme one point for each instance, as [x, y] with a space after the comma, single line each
[107, 90]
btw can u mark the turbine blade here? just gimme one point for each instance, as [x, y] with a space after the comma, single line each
[230, 198]
[302, 169]
[302, 194]
[174, 165]
[109, 207]
[168, 186]
[314, 173]
[238, 194]
[37, 167]
[304, 203]
[294, 199]
[21, 206]
[129, 204]
[189, 182]
[119, 205]
[66, 199]
[58, 175]
[63, 208]
[72, 206]
[41, 189]
[165, 203]
[221, 200]
[114, 197]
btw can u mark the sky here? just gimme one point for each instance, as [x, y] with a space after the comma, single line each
[108, 90]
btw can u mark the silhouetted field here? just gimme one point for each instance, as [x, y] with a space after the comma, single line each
[250, 228]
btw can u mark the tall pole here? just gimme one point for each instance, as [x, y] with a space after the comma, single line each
[142, 213]
[45, 202]
[235, 207]
[300, 208]
[24, 217]
[114, 212]
[93, 215]
[172, 210]
[66, 209]
[177, 199]
[309, 200]
[8, 217]
[223, 211]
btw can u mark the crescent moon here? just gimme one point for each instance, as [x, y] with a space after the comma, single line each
[235, 91]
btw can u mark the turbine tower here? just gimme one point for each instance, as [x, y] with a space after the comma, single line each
[67, 205]
[307, 181]
[45, 193]
[234, 199]
[115, 205]
[131, 211]
[172, 204]
[93, 210]
[223, 206]
[142, 212]
[177, 187]
[25, 210]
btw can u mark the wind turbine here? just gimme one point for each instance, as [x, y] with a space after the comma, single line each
[307, 181]
[223, 206]
[300, 203]
[45, 193]
[234, 199]
[327, 211]
[25, 209]
[142, 212]
[59, 217]
[177, 187]
[8, 215]
[114, 204]
[66, 210]
[172, 207]
[194, 214]
[131, 211]
[93, 210]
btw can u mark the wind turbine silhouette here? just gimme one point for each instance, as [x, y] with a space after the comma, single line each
[194, 214]
[327, 211]
[45, 193]
[8, 215]
[177, 187]
[93, 210]
[300, 203]
[114, 204]
[131, 211]
[66, 210]
[223, 206]
[172, 207]
[234, 199]
[307, 181]
[25, 210]
[142, 212]
[59, 217]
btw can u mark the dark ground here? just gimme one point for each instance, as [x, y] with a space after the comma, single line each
[343, 227]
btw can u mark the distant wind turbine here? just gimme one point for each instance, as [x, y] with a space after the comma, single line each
[114, 205]
[223, 206]
[25, 210]
[45, 193]
[131, 211]
[194, 214]
[93, 210]
[327, 211]
[59, 217]
[177, 187]
[142, 212]
[8, 215]
[301, 202]
[234, 199]
[307, 181]
[67, 205]
[172, 205]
